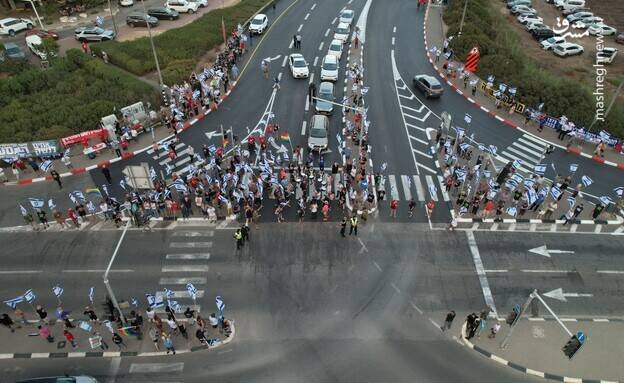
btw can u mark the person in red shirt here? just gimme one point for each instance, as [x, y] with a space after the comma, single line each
[71, 213]
[70, 338]
[430, 206]
[394, 207]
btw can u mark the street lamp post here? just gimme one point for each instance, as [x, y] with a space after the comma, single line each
[461, 24]
[110, 8]
[149, 32]
[36, 13]
[109, 289]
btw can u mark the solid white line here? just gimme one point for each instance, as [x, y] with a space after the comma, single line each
[377, 266]
[395, 287]
[419, 140]
[496, 271]
[405, 180]
[434, 323]
[299, 29]
[188, 256]
[422, 106]
[313, 6]
[422, 153]
[532, 144]
[486, 110]
[416, 307]
[303, 128]
[307, 104]
[290, 45]
[394, 192]
[185, 245]
[414, 126]
[284, 61]
[535, 139]
[429, 183]
[193, 234]
[311, 78]
[392, 40]
[321, 46]
[610, 271]
[185, 269]
[524, 154]
[546, 271]
[306, 16]
[445, 195]
[394, 29]
[183, 281]
[279, 76]
[21, 271]
[113, 369]
[420, 192]
[153, 368]
[315, 61]
[327, 32]
[334, 20]
[97, 271]
[485, 286]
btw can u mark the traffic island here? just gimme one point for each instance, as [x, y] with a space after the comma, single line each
[536, 348]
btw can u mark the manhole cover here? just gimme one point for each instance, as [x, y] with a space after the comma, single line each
[538, 332]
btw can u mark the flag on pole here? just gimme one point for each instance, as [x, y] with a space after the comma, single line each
[153, 175]
[191, 290]
[36, 203]
[169, 293]
[517, 164]
[605, 200]
[23, 210]
[78, 194]
[91, 294]
[73, 199]
[134, 301]
[30, 296]
[586, 181]
[46, 165]
[51, 204]
[540, 169]
[57, 290]
[127, 331]
[571, 201]
[555, 192]
[105, 188]
[433, 190]
[220, 304]
[493, 149]
[512, 211]
[467, 118]
[122, 183]
[12, 303]
[618, 190]
[285, 136]
[573, 168]
[154, 301]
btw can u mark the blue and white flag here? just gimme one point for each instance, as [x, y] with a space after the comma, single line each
[23, 210]
[91, 294]
[30, 296]
[493, 149]
[73, 199]
[79, 195]
[464, 146]
[91, 207]
[555, 192]
[175, 306]
[433, 190]
[531, 196]
[12, 303]
[571, 201]
[46, 165]
[605, 200]
[122, 183]
[57, 290]
[169, 293]
[487, 174]
[180, 187]
[168, 169]
[540, 169]
[51, 204]
[512, 211]
[36, 203]
[220, 304]
[586, 181]
[134, 301]
[528, 183]
[492, 184]
[517, 177]
[154, 301]
[552, 165]
[467, 118]
[619, 191]
[517, 164]
[384, 166]
[153, 175]
[543, 192]
[573, 168]
[99, 20]
[191, 290]
[460, 132]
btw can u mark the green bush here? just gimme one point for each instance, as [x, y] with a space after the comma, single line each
[502, 56]
[177, 71]
[69, 97]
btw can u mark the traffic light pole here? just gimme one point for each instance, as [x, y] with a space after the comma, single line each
[552, 313]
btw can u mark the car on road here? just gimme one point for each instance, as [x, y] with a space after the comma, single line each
[298, 66]
[138, 19]
[606, 55]
[163, 13]
[61, 379]
[12, 52]
[93, 34]
[548, 44]
[10, 26]
[601, 29]
[182, 6]
[522, 9]
[542, 33]
[258, 24]
[342, 32]
[35, 44]
[326, 96]
[523, 19]
[335, 49]
[567, 49]
[126, 3]
[329, 68]
[428, 85]
[43, 33]
[318, 133]
[346, 16]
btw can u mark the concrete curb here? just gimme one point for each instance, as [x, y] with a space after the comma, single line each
[523, 369]
[507, 122]
[111, 354]
[539, 221]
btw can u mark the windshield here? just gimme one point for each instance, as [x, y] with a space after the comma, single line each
[13, 51]
[342, 30]
[256, 21]
[335, 47]
[347, 14]
[326, 95]
[299, 64]
[330, 66]
[318, 133]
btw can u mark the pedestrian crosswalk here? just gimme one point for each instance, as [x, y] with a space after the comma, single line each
[421, 188]
[528, 149]
[181, 164]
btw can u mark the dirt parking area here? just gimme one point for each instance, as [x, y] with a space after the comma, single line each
[576, 67]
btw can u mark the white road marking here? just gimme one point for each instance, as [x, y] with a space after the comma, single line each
[313, 6]
[610, 271]
[334, 20]
[311, 78]
[315, 61]
[434, 323]
[412, 109]
[193, 234]
[299, 29]
[420, 192]
[186, 245]
[97, 271]
[496, 271]
[21, 271]
[547, 271]
[183, 281]
[327, 32]
[419, 140]
[284, 61]
[154, 368]
[416, 307]
[113, 369]
[377, 266]
[429, 183]
[182, 161]
[290, 45]
[485, 286]
[395, 287]
[394, 192]
[306, 16]
[303, 128]
[185, 269]
[531, 144]
[392, 40]
[188, 256]
[422, 153]
[394, 29]
[181, 294]
[407, 124]
[279, 76]
[405, 180]
[321, 46]
[307, 104]
[445, 195]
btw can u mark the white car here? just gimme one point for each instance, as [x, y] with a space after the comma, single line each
[548, 44]
[342, 32]
[335, 49]
[329, 68]
[201, 3]
[346, 16]
[567, 49]
[182, 6]
[606, 55]
[562, 3]
[258, 24]
[34, 43]
[601, 29]
[572, 5]
[298, 66]
[522, 9]
[536, 25]
[523, 19]
[11, 26]
[587, 22]
[126, 3]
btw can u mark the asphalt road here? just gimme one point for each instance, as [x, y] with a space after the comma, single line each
[309, 307]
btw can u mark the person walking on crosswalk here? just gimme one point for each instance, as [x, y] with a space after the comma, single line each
[411, 206]
[394, 206]
[354, 225]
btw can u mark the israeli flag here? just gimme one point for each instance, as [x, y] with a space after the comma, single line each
[30, 296]
[481, 147]
[487, 173]
[169, 293]
[134, 301]
[460, 132]
[23, 210]
[531, 196]
[555, 192]
[153, 175]
[493, 149]
[463, 210]
[191, 290]
[586, 181]
[571, 201]
[181, 188]
[12, 303]
[605, 200]
[543, 192]
[36, 203]
[73, 199]
[467, 118]
[512, 211]
[517, 177]
[57, 290]
[91, 207]
[573, 168]
[619, 191]
[154, 301]
[540, 169]
[464, 146]
[168, 169]
[99, 20]
[46, 165]
[220, 304]
[91, 294]
[528, 183]
[433, 190]
[78, 194]
[516, 164]
[552, 165]
[51, 204]
[175, 306]
[122, 183]
[492, 184]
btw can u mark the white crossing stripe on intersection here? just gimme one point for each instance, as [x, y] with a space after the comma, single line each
[181, 294]
[188, 256]
[420, 192]
[193, 234]
[182, 281]
[405, 180]
[186, 245]
[394, 192]
[416, 187]
[429, 183]
[156, 368]
[185, 269]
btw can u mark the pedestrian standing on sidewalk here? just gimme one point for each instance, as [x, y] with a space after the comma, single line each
[448, 321]
[6, 321]
[70, 338]
[43, 314]
[343, 227]
[494, 330]
[118, 340]
[168, 344]
[354, 225]
[56, 177]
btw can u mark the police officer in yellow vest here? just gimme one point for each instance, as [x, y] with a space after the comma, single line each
[238, 236]
[354, 223]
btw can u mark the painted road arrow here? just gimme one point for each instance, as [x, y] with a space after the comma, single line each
[542, 250]
[209, 135]
[559, 295]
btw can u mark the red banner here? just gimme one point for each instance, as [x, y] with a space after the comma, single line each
[83, 136]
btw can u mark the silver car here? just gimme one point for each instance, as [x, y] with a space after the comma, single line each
[93, 34]
[319, 132]
[326, 96]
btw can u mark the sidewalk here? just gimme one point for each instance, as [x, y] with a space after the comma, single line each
[434, 35]
[535, 348]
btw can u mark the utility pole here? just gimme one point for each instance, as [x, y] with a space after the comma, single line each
[110, 264]
[149, 32]
[110, 8]
[461, 24]
[36, 13]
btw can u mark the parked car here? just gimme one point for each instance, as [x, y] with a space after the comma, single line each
[201, 3]
[329, 68]
[43, 33]
[571, 11]
[536, 25]
[182, 6]
[562, 3]
[601, 29]
[567, 49]
[126, 3]
[578, 16]
[318, 133]
[335, 48]
[12, 52]
[587, 22]
[298, 66]
[428, 85]
[524, 19]
[548, 44]
[10, 26]
[163, 13]
[513, 3]
[542, 33]
[346, 16]
[35, 44]
[619, 38]
[93, 34]
[326, 93]
[258, 24]
[342, 32]
[522, 9]
[606, 55]
[137, 19]
[572, 5]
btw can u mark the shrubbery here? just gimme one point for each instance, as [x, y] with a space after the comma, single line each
[69, 97]
[189, 42]
[503, 56]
